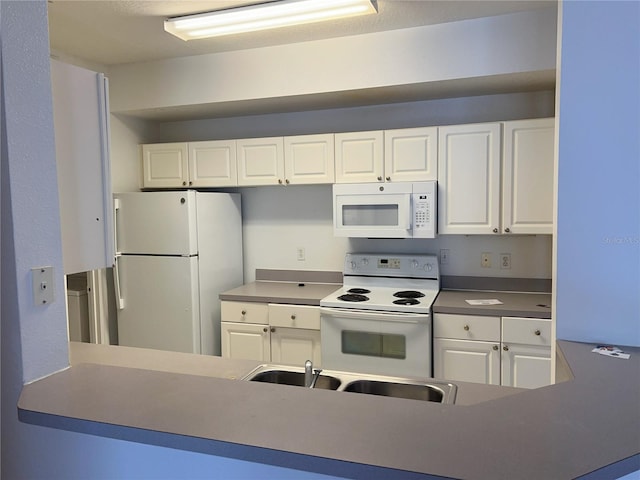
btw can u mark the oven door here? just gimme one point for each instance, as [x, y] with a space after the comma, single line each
[382, 343]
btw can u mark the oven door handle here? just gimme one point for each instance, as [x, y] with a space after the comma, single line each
[375, 315]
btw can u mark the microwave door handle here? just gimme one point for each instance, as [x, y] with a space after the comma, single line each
[409, 214]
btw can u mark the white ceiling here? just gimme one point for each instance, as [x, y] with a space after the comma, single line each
[115, 32]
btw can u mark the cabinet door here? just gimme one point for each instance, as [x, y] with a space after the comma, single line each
[165, 165]
[411, 154]
[359, 157]
[466, 361]
[309, 159]
[469, 179]
[294, 346]
[527, 176]
[260, 161]
[525, 366]
[213, 164]
[245, 341]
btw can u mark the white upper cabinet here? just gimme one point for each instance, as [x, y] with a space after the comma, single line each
[411, 154]
[309, 159]
[196, 164]
[81, 120]
[165, 165]
[359, 157]
[469, 179]
[496, 178]
[212, 164]
[260, 161]
[527, 176]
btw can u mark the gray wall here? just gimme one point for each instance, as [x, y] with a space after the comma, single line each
[598, 228]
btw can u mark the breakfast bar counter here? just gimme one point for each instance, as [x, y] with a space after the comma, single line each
[587, 426]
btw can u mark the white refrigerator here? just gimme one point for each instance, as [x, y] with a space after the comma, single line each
[175, 252]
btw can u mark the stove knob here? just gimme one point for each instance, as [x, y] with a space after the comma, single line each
[414, 264]
[428, 267]
[365, 261]
[353, 265]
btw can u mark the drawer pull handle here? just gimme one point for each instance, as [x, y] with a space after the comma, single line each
[273, 329]
[293, 316]
[506, 348]
[495, 347]
[537, 332]
[466, 328]
[265, 329]
[243, 312]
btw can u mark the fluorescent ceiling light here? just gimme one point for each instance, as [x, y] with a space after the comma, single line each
[281, 13]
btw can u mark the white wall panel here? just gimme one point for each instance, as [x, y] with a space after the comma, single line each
[278, 220]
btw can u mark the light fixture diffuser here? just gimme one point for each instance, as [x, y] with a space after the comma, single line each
[281, 13]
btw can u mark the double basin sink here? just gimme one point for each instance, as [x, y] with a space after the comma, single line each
[396, 387]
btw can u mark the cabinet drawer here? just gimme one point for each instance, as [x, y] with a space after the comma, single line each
[294, 316]
[244, 312]
[466, 327]
[528, 331]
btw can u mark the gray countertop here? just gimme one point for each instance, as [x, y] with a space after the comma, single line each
[514, 304]
[565, 430]
[297, 293]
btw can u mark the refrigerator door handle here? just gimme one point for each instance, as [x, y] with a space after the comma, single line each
[116, 207]
[117, 254]
[116, 282]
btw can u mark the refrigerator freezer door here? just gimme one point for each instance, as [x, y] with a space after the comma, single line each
[161, 303]
[156, 223]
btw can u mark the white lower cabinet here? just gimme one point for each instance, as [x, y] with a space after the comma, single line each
[294, 346]
[279, 333]
[525, 366]
[467, 360]
[526, 352]
[509, 351]
[245, 340]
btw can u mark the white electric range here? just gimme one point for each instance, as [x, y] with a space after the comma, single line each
[380, 320]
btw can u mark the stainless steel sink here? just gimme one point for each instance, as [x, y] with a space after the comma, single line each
[426, 392]
[285, 377]
[396, 387]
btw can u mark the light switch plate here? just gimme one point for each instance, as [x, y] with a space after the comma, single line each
[42, 285]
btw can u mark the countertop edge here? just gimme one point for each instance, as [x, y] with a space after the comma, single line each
[589, 370]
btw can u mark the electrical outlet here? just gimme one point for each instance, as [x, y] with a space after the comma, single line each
[444, 256]
[485, 260]
[300, 254]
[505, 261]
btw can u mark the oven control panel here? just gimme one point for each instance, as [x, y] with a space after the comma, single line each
[396, 265]
[389, 263]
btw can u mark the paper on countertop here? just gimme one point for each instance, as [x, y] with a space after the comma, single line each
[611, 351]
[487, 301]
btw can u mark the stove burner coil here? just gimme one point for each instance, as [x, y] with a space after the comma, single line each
[358, 290]
[353, 297]
[408, 294]
[406, 301]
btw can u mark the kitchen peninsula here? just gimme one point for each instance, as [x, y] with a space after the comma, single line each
[550, 432]
[560, 431]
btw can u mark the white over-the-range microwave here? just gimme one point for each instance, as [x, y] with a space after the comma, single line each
[385, 210]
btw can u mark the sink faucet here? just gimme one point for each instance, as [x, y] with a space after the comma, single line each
[310, 375]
